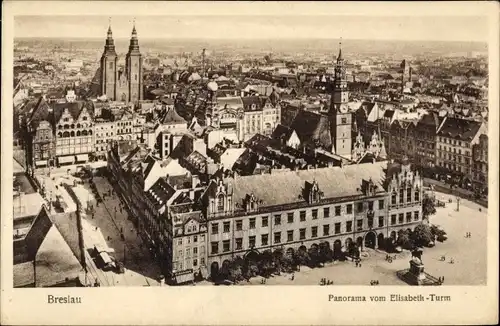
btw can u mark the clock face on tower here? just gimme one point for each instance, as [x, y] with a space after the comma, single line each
[342, 109]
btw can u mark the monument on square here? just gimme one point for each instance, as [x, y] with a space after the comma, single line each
[416, 275]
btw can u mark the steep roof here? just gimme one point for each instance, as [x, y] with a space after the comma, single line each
[74, 109]
[282, 132]
[40, 111]
[172, 117]
[333, 182]
[251, 103]
[460, 128]
[312, 128]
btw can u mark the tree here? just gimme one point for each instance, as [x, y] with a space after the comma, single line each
[301, 256]
[325, 252]
[428, 206]
[314, 258]
[405, 239]
[266, 263]
[422, 235]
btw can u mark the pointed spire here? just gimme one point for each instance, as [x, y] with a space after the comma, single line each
[110, 32]
[340, 50]
[134, 31]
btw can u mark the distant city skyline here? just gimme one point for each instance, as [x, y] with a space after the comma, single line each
[410, 28]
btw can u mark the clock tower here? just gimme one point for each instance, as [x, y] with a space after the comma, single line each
[339, 115]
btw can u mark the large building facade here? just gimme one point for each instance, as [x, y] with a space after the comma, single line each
[357, 204]
[119, 84]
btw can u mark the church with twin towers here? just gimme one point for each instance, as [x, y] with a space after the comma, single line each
[118, 83]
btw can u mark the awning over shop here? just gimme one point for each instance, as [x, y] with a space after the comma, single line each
[82, 157]
[184, 277]
[41, 163]
[65, 159]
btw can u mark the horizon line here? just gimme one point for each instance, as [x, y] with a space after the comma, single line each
[250, 39]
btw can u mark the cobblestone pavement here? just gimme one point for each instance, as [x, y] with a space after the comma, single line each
[112, 220]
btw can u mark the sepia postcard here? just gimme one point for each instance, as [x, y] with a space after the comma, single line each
[260, 163]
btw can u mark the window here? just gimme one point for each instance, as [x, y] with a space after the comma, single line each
[401, 197]
[265, 221]
[380, 221]
[239, 225]
[344, 120]
[417, 195]
[337, 210]
[381, 204]
[370, 222]
[195, 239]
[349, 208]
[220, 203]
[289, 236]
[359, 225]
[226, 226]
[408, 217]
[401, 218]
[251, 241]
[195, 250]
[393, 198]
[348, 226]
[215, 228]
[415, 216]
[326, 212]
[180, 253]
[302, 234]
[215, 247]
[393, 219]
[302, 216]
[277, 219]
[408, 195]
[225, 246]
[195, 262]
[314, 214]
[277, 237]
[290, 217]
[337, 228]
[326, 229]
[314, 232]
[179, 242]
[188, 252]
[360, 207]
[264, 239]
[251, 223]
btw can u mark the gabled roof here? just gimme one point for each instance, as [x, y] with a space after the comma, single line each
[40, 111]
[312, 128]
[172, 117]
[459, 128]
[282, 132]
[74, 108]
[251, 103]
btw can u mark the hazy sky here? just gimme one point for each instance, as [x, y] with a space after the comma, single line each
[439, 28]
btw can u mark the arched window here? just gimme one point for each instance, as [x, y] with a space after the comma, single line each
[60, 127]
[72, 126]
[84, 133]
[78, 134]
[90, 132]
[65, 134]
[72, 134]
[78, 125]
[59, 134]
[66, 126]
[84, 118]
[220, 202]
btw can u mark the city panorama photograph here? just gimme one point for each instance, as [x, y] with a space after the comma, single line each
[250, 150]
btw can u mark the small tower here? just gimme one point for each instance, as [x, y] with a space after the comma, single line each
[339, 116]
[134, 68]
[108, 67]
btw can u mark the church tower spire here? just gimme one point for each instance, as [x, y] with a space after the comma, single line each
[109, 60]
[134, 68]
